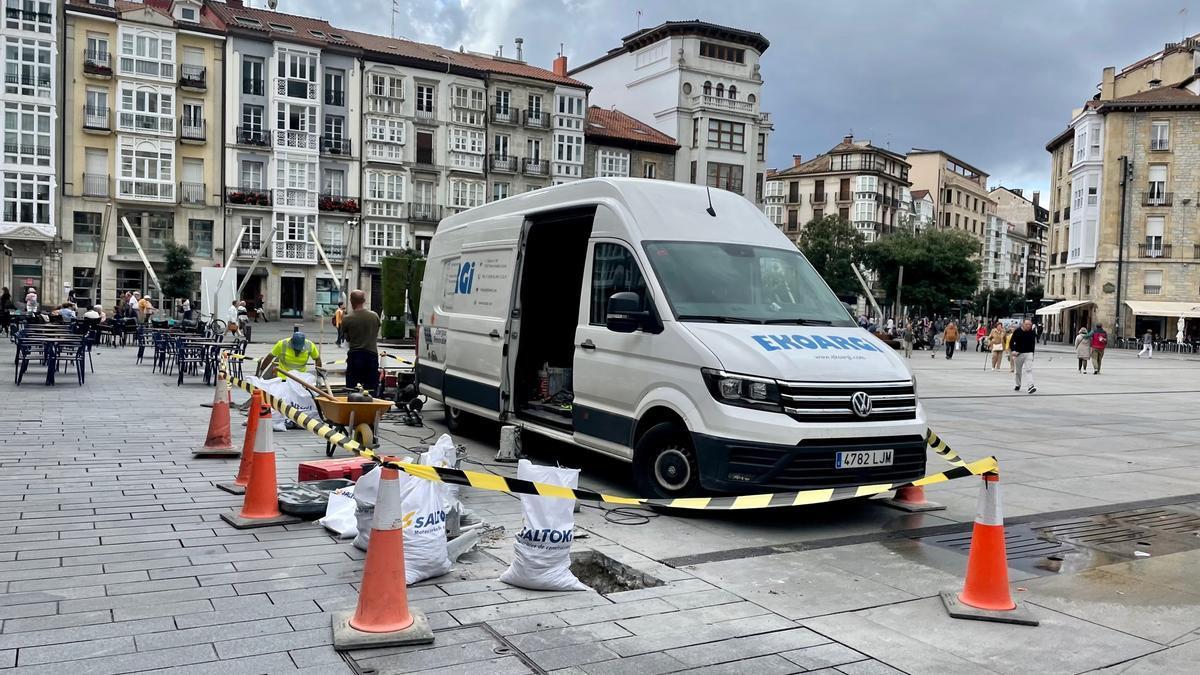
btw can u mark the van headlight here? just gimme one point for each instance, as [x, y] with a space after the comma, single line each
[746, 391]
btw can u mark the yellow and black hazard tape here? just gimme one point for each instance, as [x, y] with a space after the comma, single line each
[939, 446]
[382, 355]
[487, 481]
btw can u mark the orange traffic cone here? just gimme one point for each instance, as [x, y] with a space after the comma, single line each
[260, 507]
[383, 617]
[238, 486]
[219, 442]
[912, 499]
[985, 595]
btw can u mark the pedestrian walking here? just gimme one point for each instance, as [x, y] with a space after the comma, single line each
[361, 330]
[1022, 346]
[950, 336]
[1099, 342]
[31, 301]
[980, 334]
[338, 316]
[6, 306]
[907, 335]
[996, 344]
[187, 309]
[1083, 349]
[260, 309]
[145, 309]
[1147, 345]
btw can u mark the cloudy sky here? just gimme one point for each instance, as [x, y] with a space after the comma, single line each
[988, 81]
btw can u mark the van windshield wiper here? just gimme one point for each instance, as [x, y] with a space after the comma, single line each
[800, 322]
[716, 318]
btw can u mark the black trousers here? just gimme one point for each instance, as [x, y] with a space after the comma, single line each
[949, 349]
[362, 369]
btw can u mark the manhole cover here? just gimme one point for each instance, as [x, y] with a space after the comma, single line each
[468, 648]
[1030, 553]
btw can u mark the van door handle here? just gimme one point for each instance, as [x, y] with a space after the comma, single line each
[588, 344]
[495, 334]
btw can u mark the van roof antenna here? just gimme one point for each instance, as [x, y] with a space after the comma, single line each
[711, 211]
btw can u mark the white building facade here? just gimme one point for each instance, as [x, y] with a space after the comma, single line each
[1087, 167]
[1005, 258]
[701, 84]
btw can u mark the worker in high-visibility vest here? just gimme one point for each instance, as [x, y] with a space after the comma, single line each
[292, 354]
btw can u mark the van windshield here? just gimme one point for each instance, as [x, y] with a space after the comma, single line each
[739, 283]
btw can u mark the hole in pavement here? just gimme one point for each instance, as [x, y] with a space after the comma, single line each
[605, 575]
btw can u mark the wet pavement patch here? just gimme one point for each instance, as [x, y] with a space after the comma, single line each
[605, 575]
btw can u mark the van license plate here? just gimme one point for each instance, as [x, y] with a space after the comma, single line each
[855, 459]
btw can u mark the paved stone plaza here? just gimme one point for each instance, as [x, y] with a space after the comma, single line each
[113, 557]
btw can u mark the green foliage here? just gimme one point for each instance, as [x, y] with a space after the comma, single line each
[1003, 303]
[177, 279]
[831, 244]
[1034, 295]
[400, 274]
[938, 267]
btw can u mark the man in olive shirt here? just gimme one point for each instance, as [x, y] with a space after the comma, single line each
[361, 330]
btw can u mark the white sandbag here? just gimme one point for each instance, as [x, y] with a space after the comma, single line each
[366, 489]
[297, 395]
[423, 504]
[277, 388]
[444, 454]
[542, 559]
[339, 513]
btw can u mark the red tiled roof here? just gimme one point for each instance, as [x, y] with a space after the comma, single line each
[818, 164]
[302, 26]
[919, 194]
[1157, 95]
[614, 124]
[121, 6]
[510, 67]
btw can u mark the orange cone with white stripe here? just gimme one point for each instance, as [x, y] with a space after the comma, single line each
[238, 486]
[383, 617]
[219, 441]
[912, 499]
[985, 595]
[260, 507]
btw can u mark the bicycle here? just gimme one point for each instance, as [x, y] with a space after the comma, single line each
[214, 328]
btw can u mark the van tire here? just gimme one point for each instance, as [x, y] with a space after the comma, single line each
[456, 419]
[665, 464]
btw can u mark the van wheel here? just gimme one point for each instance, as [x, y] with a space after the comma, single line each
[664, 463]
[456, 420]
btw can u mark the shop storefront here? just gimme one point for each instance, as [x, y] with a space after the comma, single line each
[1065, 317]
[1168, 321]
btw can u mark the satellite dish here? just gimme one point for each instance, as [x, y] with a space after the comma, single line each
[272, 4]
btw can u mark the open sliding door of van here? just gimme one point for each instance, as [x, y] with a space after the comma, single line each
[476, 337]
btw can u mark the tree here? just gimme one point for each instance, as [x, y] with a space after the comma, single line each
[998, 303]
[401, 274]
[177, 280]
[1034, 295]
[831, 244]
[938, 266]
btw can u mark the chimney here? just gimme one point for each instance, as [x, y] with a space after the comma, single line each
[560, 65]
[500, 51]
[797, 160]
[237, 4]
[1037, 198]
[1020, 192]
[520, 51]
[848, 139]
[1108, 86]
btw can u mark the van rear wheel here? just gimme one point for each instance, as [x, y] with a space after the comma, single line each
[665, 464]
[456, 419]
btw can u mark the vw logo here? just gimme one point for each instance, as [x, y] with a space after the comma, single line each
[860, 403]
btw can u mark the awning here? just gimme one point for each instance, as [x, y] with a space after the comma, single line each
[1190, 310]
[1062, 305]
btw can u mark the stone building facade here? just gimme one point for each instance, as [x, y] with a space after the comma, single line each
[621, 146]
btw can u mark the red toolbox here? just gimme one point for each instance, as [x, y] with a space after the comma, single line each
[325, 469]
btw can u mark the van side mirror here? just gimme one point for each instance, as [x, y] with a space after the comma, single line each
[625, 313]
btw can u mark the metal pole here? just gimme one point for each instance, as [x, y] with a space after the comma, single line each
[1126, 170]
[100, 254]
[321, 252]
[142, 254]
[866, 290]
[253, 264]
[228, 265]
[351, 226]
[899, 290]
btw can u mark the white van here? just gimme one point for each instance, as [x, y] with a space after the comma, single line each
[668, 325]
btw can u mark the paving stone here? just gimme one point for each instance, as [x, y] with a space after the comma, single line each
[8, 658]
[278, 643]
[317, 656]
[698, 634]
[124, 663]
[761, 665]
[644, 664]
[250, 665]
[27, 609]
[526, 624]
[574, 655]
[61, 636]
[437, 656]
[527, 607]
[683, 620]
[508, 665]
[165, 609]
[142, 599]
[571, 635]
[822, 656]
[694, 600]
[93, 579]
[57, 621]
[72, 650]
[868, 668]
[738, 649]
[207, 634]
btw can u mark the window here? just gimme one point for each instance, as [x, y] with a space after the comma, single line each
[716, 51]
[27, 134]
[535, 105]
[252, 175]
[147, 109]
[86, 237]
[252, 118]
[569, 105]
[467, 140]
[707, 88]
[503, 97]
[27, 67]
[1095, 146]
[97, 49]
[466, 194]
[295, 117]
[649, 170]
[425, 100]
[471, 99]
[31, 15]
[385, 235]
[725, 176]
[844, 213]
[129, 280]
[335, 127]
[297, 73]
[333, 182]
[383, 186]
[867, 184]
[695, 132]
[864, 211]
[732, 92]
[793, 190]
[1154, 235]
[499, 191]
[147, 53]
[424, 147]
[1160, 135]
[1158, 184]
[192, 119]
[533, 149]
[296, 174]
[568, 148]
[200, 238]
[147, 169]
[774, 213]
[726, 135]
[614, 270]
[612, 163]
[252, 240]
[818, 214]
[1152, 282]
[188, 14]
[774, 188]
[335, 82]
[793, 220]
[720, 90]
[500, 145]
[294, 226]
[762, 147]
[386, 86]
[154, 229]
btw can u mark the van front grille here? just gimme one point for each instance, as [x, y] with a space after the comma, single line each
[813, 465]
[833, 401]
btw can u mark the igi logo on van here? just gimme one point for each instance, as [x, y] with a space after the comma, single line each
[773, 343]
[466, 278]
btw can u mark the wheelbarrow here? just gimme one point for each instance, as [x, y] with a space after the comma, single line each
[357, 419]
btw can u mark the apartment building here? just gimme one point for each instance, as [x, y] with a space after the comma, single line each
[31, 33]
[1034, 220]
[621, 146]
[141, 116]
[701, 84]
[854, 180]
[959, 190]
[1005, 256]
[1125, 249]
[920, 210]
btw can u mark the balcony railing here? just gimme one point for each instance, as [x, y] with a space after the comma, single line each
[253, 136]
[428, 114]
[191, 193]
[95, 185]
[425, 213]
[820, 198]
[146, 122]
[27, 149]
[96, 117]
[1152, 290]
[290, 138]
[252, 86]
[27, 15]
[1157, 198]
[132, 188]
[244, 196]
[1154, 251]
[537, 119]
[334, 251]
[192, 130]
[296, 88]
[843, 197]
[305, 199]
[505, 115]
[535, 167]
[97, 63]
[249, 248]
[337, 202]
[26, 80]
[723, 103]
[1160, 144]
[294, 251]
[193, 77]
[335, 145]
[506, 163]
[337, 98]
